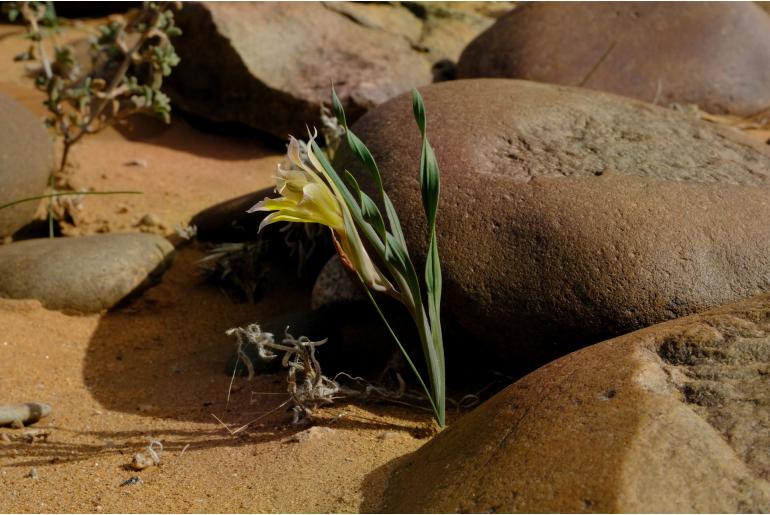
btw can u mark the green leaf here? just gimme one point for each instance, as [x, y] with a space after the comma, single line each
[355, 144]
[433, 283]
[430, 184]
[339, 111]
[439, 414]
[366, 157]
[418, 107]
[395, 223]
[369, 209]
[396, 255]
[430, 187]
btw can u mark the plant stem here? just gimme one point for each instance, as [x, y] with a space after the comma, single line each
[69, 193]
[83, 128]
[51, 181]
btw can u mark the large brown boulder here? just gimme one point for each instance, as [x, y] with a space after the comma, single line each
[569, 216]
[271, 64]
[713, 54]
[672, 418]
[26, 162]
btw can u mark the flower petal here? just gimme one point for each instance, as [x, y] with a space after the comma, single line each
[279, 217]
[272, 204]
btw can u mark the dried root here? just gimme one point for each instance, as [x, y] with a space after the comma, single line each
[307, 386]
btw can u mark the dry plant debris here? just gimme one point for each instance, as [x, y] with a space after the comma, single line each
[150, 457]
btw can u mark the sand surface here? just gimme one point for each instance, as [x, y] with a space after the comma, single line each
[153, 368]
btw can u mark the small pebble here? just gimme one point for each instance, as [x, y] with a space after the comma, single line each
[34, 435]
[32, 474]
[388, 435]
[135, 480]
[312, 433]
[150, 220]
[150, 457]
[142, 163]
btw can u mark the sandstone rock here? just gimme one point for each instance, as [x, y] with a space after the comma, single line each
[713, 54]
[672, 418]
[26, 161]
[93, 9]
[334, 285]
[228, 221]
[271, 65]
[86, 274]
[569, 216]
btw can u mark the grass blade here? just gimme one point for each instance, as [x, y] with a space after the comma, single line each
[69, 193]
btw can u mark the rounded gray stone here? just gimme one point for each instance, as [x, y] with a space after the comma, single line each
[85, 274]
[335, 285]
[26, 162]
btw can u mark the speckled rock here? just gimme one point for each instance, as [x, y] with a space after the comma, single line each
[229, 221]
[672, 418]
[569, 216]
[86, 274]
[713, 54]
[271, 65]
[26, 162]
[334, 285]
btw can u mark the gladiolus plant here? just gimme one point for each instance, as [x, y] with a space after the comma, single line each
[311, 191]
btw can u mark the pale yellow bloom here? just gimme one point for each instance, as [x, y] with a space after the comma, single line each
[309, 196]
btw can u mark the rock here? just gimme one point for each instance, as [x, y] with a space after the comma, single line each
[713, 54]
[334, 285]
[132, 481]
[228, 221]
[308, 247]
[85, 274]
[23, 414]
[26, 162]
[672, 418]
[93, 10]
[149, 457]
[312, 433]
[271, 65]
[569, 216]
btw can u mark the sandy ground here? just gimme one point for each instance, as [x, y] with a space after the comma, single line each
[153, 368]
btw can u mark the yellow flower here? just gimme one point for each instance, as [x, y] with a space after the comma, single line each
[309, 196]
